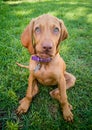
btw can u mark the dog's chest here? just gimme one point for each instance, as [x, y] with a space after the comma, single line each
[45, 75]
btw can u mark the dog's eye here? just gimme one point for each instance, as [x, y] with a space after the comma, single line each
[37, 29]
[56, 30]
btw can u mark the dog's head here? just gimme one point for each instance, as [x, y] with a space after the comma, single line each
[43, 35]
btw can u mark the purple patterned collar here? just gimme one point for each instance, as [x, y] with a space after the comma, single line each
[45, 60]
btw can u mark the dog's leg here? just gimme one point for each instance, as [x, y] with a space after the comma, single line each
[32, 90]
[56, 95]
[67, 114]
[60, 94]
[70, 81]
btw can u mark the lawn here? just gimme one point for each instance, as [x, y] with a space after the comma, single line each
[45, 112]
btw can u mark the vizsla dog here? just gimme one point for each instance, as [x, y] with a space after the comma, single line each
[42, 37]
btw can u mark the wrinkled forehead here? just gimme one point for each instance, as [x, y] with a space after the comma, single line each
[47, 20]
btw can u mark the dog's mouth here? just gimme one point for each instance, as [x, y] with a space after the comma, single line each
[45, 55]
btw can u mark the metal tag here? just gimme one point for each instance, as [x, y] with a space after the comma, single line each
[38, 66]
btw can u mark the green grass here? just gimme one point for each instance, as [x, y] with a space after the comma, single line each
[45, 112]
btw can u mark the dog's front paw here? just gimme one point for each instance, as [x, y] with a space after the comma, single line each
[23, 107]
[67, 114]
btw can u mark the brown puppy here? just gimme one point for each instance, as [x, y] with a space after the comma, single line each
[42, 37]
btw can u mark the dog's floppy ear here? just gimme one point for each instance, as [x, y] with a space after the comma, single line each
[64, 33]
[27, 37]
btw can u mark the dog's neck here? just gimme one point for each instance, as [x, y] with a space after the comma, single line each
[41, 62]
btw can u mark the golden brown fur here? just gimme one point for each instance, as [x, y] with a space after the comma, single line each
[42, 37]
